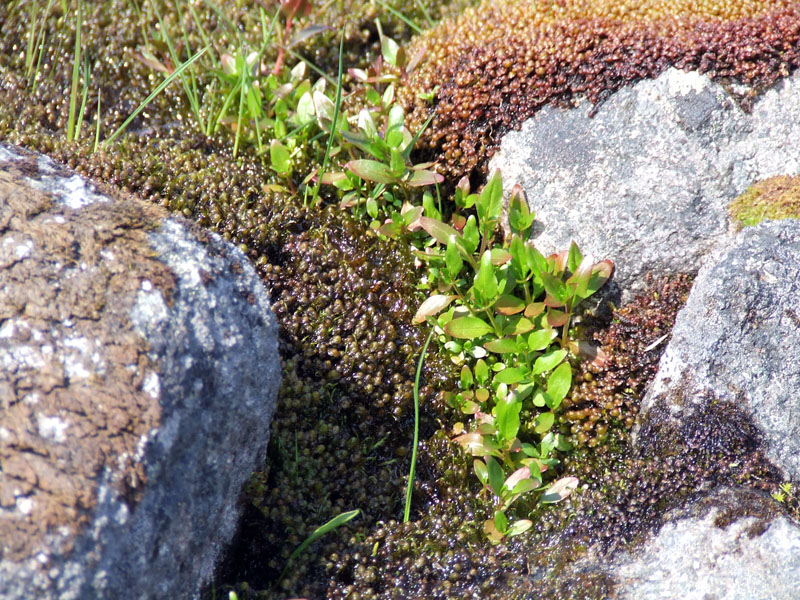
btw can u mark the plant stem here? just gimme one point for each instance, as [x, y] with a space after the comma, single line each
[412, 472]
[336, 108]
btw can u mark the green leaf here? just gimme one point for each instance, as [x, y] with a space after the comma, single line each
[544, 422]
[490, 202]
[500, 256]
[510, 375]
[432, 306]
[467, 328]
[485, 283]
[509, 305]
[520, 217]
[452, 259]
[396, 163]
[517, 326]
[392, 52]
[367, 124]
[471, 235]
[524, 486]
[371, 170]
[438, 230]
[500, 521]
[481, 471]
[502, 346]
[559, 490]
[466, 378]
[496, 476]
[558, 384]
[549, 361]
[541, 339]
[481, 372]
[555, 288]
[507, 421]
[519, 527]
[323, 529]
[423, 178]
[575, 257]
[280, 158]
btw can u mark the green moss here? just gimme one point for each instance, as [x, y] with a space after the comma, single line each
[344, 300]
[774, 198]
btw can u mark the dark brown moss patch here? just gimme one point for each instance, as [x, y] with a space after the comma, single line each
[774, 198]
[497, 64]
[608, 396]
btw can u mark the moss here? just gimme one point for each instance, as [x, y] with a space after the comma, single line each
[497, 64]
[773, 198]
[344, 299]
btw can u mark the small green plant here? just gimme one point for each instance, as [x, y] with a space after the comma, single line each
[380, 169]
[785, 491]
[413, 470]
[334, 523]
[503, 311]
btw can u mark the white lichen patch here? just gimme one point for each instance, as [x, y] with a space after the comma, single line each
[77, 364]
[73, 192]
[24, 249]
[25, 505]
[52, 428]
[152, 385]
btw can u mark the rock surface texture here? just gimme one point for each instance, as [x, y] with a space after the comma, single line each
[138, 376]
[648, 179]
[705, 552]
[737, 342]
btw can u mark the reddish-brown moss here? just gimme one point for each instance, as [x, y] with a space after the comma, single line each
[497, 64]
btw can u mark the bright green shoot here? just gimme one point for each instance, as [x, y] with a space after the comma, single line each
[412, 472]
[337, 107]
[170, 78]
[334, 523]
[73, 96]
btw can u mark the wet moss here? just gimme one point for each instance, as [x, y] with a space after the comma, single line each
[773, 198]
[344, 298]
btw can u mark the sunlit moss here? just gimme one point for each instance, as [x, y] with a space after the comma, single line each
[494, 66]
[773, 198]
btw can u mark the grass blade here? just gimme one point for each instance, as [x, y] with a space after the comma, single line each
[336, 109]
[425, 12]
[334, 523]
[175, 74]
[400, 16]
[413, 471]
[73, 96]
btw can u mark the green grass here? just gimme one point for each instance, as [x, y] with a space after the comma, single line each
[336, 110]
[413, 471]
[73, 96]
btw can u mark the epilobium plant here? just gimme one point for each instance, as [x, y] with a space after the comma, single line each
[502, 309]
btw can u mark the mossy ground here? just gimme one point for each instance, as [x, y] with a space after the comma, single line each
[344, 300]
[773, 198]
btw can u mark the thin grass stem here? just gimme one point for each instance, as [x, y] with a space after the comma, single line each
[97, 125]
[336, 108]
[73, 96]
[425, 12]
[172, 77]
[400, 16]
[413, 471]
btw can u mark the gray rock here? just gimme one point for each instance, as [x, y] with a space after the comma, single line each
[138, 377]
[737, 341]
[647, 181]
[707, 553]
